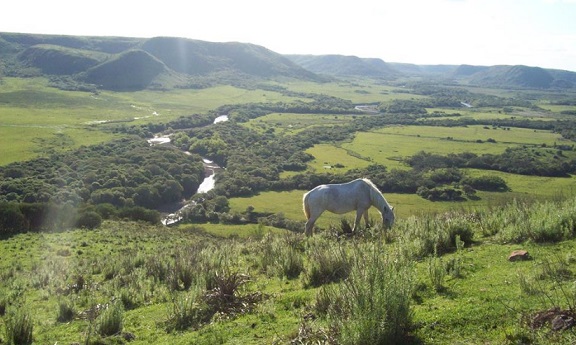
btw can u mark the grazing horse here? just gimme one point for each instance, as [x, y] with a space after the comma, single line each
[340, 198]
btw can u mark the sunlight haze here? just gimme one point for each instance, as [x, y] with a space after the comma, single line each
[477, 32]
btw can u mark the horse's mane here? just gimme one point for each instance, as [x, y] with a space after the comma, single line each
[376, 195]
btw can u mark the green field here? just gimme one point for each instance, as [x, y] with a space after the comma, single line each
[293, 123]
[33, 114]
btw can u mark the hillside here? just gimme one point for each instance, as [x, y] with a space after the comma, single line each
[340, 65]
[487, 76]
[126, 64]
[188, 63]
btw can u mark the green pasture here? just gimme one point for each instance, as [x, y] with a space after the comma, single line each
[557, 108]
[286, 123]
[389, 144]
[290, 205]
[32, 112]
[406, 205]
[357, 91]
[334, 159]
[24, 142]
[474, 113]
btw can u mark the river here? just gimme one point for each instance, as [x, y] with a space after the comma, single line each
[210, 170]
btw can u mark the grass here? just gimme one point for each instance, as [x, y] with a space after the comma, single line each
[357, 91]
[287, 124]
[482, 297]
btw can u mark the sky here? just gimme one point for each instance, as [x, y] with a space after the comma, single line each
[476, 32]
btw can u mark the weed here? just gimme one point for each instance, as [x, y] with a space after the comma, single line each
[436, 273]
[188, 311]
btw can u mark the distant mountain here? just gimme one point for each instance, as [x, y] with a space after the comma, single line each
[54, 59]
[196, 57]
[119, 63]
[408, 69]
[126, 63]
[340, 65]
[515, 76]
[511, 76]
[129, 70]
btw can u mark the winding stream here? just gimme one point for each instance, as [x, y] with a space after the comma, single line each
[210, 170]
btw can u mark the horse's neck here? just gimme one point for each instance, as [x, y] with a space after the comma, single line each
[378, 200]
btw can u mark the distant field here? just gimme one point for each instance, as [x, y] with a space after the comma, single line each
[557, 108]
[34, 117]
[283, 123]
[406, 205]
[330, 157]
[387, 145]
[362, 91]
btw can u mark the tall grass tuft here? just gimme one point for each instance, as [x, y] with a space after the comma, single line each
[111, 321]
[372, 306]
[435, 234]
[65, 311]
[188, 311]
[516, 222]
[282, 256]
[328, 263]
[19, 327]
[436, 273]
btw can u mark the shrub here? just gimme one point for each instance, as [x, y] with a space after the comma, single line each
[89, 220]
[539, 222]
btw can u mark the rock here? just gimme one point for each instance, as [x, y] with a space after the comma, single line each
[519, 255]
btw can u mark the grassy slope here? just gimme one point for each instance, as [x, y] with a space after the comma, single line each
[482, 305]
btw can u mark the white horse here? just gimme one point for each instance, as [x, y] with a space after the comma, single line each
[340, 198]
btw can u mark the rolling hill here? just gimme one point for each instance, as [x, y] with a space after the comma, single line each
[127, 64]
[340, 65]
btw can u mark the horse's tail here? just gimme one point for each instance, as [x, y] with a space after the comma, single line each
[305, 206]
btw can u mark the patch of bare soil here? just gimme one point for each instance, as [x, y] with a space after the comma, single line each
[555, 318]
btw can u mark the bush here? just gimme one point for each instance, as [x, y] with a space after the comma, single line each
[487, 183]
[11, 219]
[89, 220]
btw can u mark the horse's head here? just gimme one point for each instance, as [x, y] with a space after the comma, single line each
[388, 217]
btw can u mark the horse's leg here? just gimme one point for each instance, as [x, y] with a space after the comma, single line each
[359, 213]
[366, 219]
[310, 223]
[310, 226]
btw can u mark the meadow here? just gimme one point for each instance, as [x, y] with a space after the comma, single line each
[208, 285]
[36, 116]
[440, 275]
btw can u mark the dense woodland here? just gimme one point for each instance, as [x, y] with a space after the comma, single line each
[130, 173]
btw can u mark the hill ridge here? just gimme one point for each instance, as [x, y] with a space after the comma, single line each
[184, 62]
